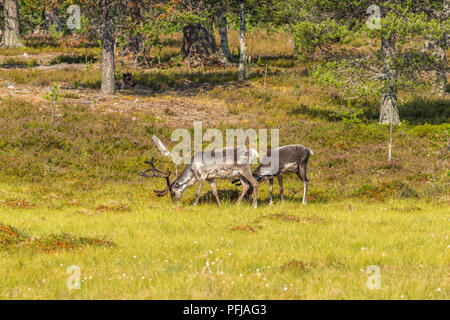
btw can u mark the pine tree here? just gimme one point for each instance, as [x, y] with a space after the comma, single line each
[11, 32]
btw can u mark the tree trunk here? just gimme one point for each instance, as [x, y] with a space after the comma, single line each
[11, 35]
[441, 48]
[242, 43]
[52, 19]
[441, 67]
[198, 43]
[389, 108]
[224, 37]
[108, 43]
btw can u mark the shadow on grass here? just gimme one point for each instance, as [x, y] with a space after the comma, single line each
[224, 195]
[40, 42]
[418, 111]
[282, 61]
[421, 111]
[183, 83]
[74, 59]
[326, 114]
[47, 41]
[231, 196]
[16, 66]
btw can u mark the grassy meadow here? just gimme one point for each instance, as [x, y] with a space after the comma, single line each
[71, 194]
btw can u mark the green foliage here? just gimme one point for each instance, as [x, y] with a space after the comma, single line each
[54, 94]
[385, 190]
[54, 33]
[352, 116]
[360, 73]
[309, 36]
[12, 239]
[30, 15]
[326, 74]
[20, 62]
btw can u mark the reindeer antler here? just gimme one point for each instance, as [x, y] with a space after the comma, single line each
[157, 173]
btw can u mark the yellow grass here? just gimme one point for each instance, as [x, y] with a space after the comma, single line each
[164, 251]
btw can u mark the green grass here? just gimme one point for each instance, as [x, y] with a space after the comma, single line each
[320, 251]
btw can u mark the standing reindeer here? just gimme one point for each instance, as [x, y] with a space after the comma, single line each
[226, 163]
[291, 158]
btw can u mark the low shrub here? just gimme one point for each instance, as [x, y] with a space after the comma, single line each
[385, 190]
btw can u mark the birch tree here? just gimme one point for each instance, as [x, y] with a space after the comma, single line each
[242, 41]
[108, 46]
[389, 97]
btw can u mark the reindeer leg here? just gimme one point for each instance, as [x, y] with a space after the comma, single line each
[248, 195]
[305, 190]
[270, 190]
[214, 191]
[249, 191]
[280, 182]
[255, 191]
[199, 191]
[302, 175]
[247, 174]
[245, 187]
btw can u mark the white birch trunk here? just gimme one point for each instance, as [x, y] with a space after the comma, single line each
[108, 43]
[242, 43]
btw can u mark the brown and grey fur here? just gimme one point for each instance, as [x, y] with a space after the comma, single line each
[291, 159]
[234, 163]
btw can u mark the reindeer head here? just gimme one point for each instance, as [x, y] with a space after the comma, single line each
[176, 188]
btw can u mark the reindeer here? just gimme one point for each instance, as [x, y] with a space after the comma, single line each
[291, 158]
[226, 163]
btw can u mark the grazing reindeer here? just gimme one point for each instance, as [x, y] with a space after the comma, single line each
[292, 158]
[209, 165]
